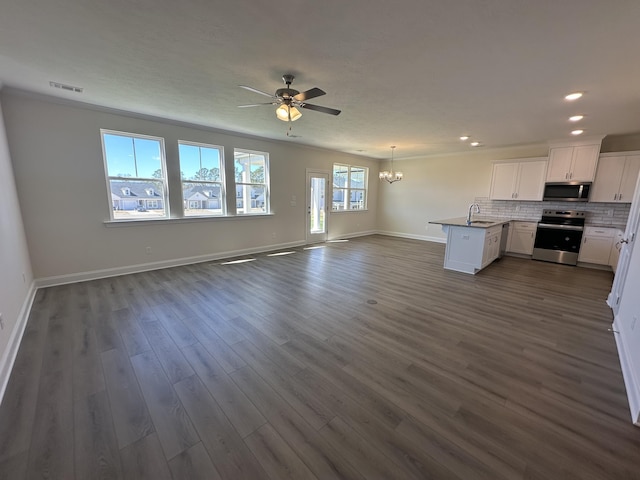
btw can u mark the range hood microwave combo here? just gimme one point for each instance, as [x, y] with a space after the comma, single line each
[567, 191]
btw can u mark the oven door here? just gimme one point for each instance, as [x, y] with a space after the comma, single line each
[557, 243]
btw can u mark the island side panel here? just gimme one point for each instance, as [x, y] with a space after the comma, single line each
[464, 249]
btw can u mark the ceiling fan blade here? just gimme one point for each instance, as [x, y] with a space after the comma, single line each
[311, 93]
[256, 104]
[318, 108]
[251, 89]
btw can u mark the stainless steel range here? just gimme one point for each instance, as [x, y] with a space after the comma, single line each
[558, 236]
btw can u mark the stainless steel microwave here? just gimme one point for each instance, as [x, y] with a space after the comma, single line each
[567, 191]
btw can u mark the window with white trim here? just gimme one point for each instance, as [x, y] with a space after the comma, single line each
[252, 181]
[136, 175]
[350, 185]
[202, 171]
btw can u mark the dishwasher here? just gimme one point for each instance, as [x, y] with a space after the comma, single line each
[504, 239]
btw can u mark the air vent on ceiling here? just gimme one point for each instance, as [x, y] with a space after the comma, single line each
[69, 88]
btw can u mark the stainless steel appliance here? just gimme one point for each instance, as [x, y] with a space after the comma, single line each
[567, 191]
[503, 239]
[558, 236]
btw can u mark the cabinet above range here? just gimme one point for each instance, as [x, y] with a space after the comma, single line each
[519, 179]
[574, 161]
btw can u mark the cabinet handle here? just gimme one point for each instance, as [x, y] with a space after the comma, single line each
[619, 196]
[566, 176]
[615, 196]
[516, 194]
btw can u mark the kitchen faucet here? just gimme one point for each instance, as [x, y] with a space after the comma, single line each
[470, 209]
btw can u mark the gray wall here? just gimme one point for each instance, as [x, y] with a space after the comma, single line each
[60, 179]
[15, 267]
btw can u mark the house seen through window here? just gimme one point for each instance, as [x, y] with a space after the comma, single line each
[136, 175]
[350, 185]
[252, 182]
[202, 171]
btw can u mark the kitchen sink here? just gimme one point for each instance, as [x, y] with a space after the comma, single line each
[482, 222]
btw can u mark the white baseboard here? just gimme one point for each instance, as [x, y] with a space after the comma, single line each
[354, 235]
[144, 267]
[10, 353]
[424, 238]
[630, 380]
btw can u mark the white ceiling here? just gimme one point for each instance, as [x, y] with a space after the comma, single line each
[413, 73]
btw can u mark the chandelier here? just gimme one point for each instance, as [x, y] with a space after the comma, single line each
[391, 176]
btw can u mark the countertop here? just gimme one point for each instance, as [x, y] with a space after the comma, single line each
[476, 222]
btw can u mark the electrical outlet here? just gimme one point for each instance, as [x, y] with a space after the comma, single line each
[1, 322]
[24, 278]
[610, 213]
[273, 235]
[633, 323]
[148, 250]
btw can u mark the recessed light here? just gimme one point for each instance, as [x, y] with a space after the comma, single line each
[577, 132]
[573, 96]
[576, 118]
[475, 144]
[464, 137]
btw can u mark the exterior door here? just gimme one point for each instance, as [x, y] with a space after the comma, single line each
[317, 206]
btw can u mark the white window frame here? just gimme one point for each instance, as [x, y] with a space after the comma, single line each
[348, 189]
[221, 183]
[266, 184]
[109, 178]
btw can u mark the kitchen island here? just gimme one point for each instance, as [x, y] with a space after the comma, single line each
[471, 246]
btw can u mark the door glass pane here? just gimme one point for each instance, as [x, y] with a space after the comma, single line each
[317, 219]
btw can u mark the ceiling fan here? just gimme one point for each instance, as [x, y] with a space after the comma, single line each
[289, 100]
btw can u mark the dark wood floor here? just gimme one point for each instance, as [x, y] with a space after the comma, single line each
[362, 359]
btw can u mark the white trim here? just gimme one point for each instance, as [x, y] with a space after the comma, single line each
[424, 238]
[351, 235]
[144, 267]
[10, 353]
[630, 381]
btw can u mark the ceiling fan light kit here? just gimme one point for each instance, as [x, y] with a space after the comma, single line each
[287, 113]
[288, 100]
[389, 175]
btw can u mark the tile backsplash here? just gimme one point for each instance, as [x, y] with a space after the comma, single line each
[604, 214]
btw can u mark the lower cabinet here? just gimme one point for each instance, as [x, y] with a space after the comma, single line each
[596, 245]
[521, 237]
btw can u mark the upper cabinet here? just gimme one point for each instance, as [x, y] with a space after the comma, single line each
[518, 179]
[573, 163]
[616, 178]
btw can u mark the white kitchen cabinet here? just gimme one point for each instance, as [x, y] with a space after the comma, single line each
[596, 245]
[573, 163]
[616, 178]
[522, 235]
[518, 180]
[470, 249]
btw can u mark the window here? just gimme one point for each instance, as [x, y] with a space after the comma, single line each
[349, 187]
[202, 170]
[136, 175]
[252, 182]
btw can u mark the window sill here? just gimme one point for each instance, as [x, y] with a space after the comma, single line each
[159, 221]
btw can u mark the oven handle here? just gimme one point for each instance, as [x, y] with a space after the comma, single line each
[561, 227]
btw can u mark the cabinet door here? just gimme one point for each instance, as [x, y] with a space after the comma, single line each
[585, 160]
[629, 178]
[503, 181]
[522, 241]
[595, 250]
[531, 180]
[608, 177]
[559, 164]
